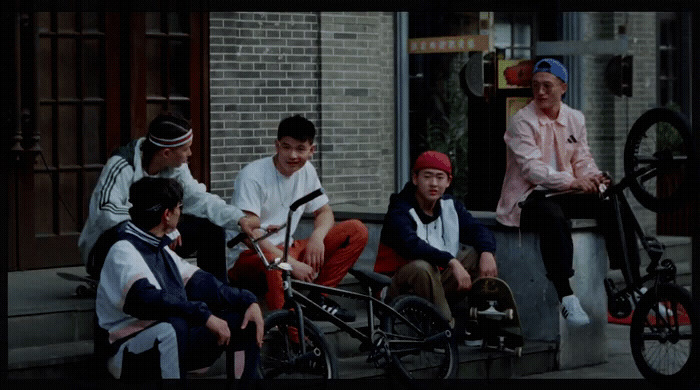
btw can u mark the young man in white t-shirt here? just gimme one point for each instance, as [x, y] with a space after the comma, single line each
[266, 188]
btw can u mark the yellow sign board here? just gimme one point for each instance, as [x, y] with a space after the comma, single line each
[513, 105]
[454, 44]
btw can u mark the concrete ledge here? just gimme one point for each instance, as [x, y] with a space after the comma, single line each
[520, 265]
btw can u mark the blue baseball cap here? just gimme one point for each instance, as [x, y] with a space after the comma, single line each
[552, 66]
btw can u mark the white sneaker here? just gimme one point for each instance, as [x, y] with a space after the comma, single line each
[572, 311]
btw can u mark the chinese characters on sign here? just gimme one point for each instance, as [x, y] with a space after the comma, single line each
[448, 44]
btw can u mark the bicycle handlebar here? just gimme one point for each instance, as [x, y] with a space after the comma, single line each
[236, 240]
[306, 198]
[293, 207]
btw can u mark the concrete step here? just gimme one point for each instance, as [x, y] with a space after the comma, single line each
[47, 324]
[40, 329]
[50, 327]
[47, 355]
[50, 335]
[474, 363]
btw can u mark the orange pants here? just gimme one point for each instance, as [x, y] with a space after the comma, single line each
[343, 245]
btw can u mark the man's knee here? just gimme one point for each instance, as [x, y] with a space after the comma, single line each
[136, 358]
[541, 212]
[241, 339]
[356, 231]
[415, 275]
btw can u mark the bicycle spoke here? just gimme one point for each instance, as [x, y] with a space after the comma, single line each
[416, 343]
[662, 340]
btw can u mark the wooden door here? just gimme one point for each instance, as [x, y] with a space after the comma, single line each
[89, 83]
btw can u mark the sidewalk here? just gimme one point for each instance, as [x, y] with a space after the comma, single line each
[619, 365]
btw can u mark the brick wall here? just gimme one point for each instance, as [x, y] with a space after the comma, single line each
[608, 117]
[336, 69]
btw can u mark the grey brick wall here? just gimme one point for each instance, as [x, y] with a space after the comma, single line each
[336, 69]
[608, 117]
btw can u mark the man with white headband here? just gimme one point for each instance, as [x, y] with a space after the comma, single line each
[162, 153]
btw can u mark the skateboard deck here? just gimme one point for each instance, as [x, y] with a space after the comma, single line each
[492, 305]
[88, 289]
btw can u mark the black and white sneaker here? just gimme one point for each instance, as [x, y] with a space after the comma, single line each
[331, 307]
[472, 336]
[572, 311]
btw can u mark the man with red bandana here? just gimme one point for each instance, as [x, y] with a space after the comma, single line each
[423, 236]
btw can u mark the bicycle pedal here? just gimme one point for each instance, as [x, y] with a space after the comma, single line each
[379, 355]
[378, 361]
[379, 358]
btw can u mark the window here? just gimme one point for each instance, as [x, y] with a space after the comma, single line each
[512, 35]
[671, 72]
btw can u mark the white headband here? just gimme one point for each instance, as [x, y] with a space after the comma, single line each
[170, 143]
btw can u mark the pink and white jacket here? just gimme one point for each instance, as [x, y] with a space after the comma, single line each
[534, 144]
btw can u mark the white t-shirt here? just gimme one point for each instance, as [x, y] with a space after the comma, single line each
[261, 189]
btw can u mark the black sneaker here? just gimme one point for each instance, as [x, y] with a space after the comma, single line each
[331, 307]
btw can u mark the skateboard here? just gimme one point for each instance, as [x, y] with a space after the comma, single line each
[493, 307]
[88, 289]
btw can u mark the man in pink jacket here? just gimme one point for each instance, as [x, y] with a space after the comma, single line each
[547, 151]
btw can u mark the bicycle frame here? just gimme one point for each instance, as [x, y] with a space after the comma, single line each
[295, 300]
[651, 245]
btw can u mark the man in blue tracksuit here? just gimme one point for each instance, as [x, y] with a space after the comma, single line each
[150, 298]
[423, 233]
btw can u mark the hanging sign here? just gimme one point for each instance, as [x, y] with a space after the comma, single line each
[454, 44]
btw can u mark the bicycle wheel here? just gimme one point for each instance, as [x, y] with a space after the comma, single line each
[660, 157]
[412, 355]
[281, 357]
[661, 334]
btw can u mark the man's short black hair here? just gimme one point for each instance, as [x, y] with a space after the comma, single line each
[297, 127]
[150, 196]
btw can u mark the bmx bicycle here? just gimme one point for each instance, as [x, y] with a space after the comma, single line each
[659, 145]
[408, 337]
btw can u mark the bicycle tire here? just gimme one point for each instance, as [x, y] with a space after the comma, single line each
[669, 149]
[661, 343]
[429, 361]
[281, 349]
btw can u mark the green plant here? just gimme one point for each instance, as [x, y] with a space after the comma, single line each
[446, 129]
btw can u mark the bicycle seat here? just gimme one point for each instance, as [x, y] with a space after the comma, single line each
[374, 280]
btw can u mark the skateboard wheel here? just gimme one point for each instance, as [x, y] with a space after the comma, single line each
[473, 312]
[509, 314]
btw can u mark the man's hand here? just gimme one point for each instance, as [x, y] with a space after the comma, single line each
[301, 271]
[464, 280]
[487, 265]
[219, 328]
[249, 223]
[586, 184]
[255, 314]
[314, 253]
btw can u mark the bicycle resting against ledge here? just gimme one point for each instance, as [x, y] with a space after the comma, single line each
[408, 336]
[663, 313]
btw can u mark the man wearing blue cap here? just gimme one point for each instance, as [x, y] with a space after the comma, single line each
[547, 151]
